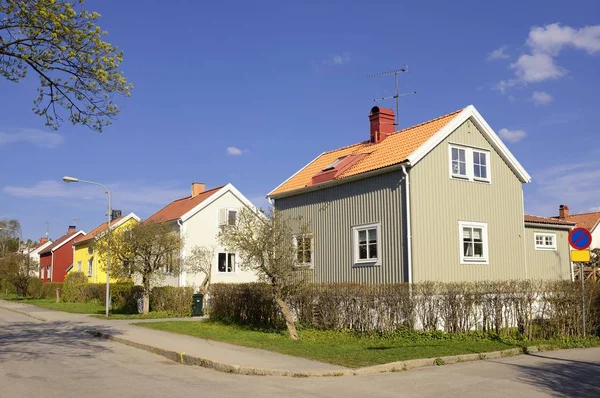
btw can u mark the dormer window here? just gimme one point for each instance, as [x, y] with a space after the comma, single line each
[332, 165]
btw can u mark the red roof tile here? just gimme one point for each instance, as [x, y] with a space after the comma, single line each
[179, 207]
[96, 231]
[584, 220]
[546, 220]
[59, 241]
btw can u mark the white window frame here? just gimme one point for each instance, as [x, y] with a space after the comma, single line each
[470, 166]
[43, 272]
[312, 250]
[233, 268]
[90, 267]
[543, 246]
[485, 240]
[226, 211]
[355, 245]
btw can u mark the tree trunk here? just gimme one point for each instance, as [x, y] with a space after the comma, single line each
[289, 319]
[146, 295]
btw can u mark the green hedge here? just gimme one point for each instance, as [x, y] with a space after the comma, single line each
[174, 300]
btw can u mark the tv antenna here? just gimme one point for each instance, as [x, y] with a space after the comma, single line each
[397, 95]
[47, 228]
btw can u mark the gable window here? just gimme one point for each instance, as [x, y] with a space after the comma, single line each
[303, 244]
[469, 163]
[227, 217]
[473, 243]
[545, 241]
[78, 266]
[366, 243]
[226, 262]
[90, 266]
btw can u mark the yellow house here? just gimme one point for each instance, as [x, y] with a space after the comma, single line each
[84, 258]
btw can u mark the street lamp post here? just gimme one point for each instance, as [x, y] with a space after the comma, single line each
[73, 179]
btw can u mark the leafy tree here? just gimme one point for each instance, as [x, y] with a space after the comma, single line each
[266, 246]
[9, 236]
[18, 270]
[78, 71]
[595, 257]
[148, 251]
[201, 261]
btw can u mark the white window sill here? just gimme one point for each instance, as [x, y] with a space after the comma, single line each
[474, 180]
[476, 262]
[304, 266]
[546, 249]
[226, 273]
[360, 264]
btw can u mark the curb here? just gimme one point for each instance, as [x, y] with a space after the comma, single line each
[183, 358]
[38, 318]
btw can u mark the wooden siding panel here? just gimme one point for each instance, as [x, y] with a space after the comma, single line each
[548, 264]
[438, 203]
[331, 214]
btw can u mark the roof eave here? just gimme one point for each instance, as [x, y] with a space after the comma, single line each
[328, 184]
[548, 225]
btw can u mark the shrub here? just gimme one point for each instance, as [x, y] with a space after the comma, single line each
[6, 287]
[49, 289]
[35, 288]
[74, 289]
[174, 300]
[124, 296]
[245, 303]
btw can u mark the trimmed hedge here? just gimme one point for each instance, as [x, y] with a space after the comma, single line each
[537, 309]
[174, 300]
[75, 288]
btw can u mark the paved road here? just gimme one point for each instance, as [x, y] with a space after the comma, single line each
[53, 360]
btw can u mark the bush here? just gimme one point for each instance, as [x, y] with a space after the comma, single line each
[7, 288]
[49, 289]
[74, 288]
[532, 309]
[177, 301]
[35, 288]
[124, 296]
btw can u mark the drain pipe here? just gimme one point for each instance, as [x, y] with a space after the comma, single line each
[183, 275]
[408, 226]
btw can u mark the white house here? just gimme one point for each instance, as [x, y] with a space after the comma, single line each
[34, 252]
[198, 218]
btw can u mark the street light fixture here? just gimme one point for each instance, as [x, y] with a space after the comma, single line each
[68, 179]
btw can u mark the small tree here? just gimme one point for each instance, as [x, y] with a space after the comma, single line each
[62, 45]
[201, 261]
[9, 235]
[265, 243]
[149, 251]
[17, 269]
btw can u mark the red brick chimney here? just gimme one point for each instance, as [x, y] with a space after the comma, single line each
[197, 188]
[563, 211]
[72, 229]
[43, 240]
[382, 123]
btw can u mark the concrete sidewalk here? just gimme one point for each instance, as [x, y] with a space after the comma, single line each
[184, 349]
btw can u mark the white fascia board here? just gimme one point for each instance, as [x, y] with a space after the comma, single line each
[227, 188]
[41, 248]
[125, 219]
[548, 226]
[80, 232]
[293, 175]
[471, 113]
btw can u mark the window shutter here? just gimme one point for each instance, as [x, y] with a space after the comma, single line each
[222, 217]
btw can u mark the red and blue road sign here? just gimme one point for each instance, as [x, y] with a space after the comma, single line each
[580, 238]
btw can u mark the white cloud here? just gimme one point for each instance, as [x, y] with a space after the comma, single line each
[32, 136]
[541, 98]
[512, 135]
[545, 44]
[233, 151]
[338, 59]
[128, 196]
[499, 53]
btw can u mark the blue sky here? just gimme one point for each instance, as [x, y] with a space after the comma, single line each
[248, 93]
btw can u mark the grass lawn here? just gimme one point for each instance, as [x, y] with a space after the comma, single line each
[150, 315]
[348, 349]
[76, 308]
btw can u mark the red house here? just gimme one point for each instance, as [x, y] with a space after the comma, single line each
[56, 258]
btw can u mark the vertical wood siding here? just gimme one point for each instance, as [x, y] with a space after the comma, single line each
[438, 203]
[548, 264]
[332, 212]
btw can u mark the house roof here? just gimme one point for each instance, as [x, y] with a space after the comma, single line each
[60, 241]
[547, 220]
[408, 145]
[177, 208]
[584, 220]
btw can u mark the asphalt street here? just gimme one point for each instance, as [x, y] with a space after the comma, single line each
[40, 359]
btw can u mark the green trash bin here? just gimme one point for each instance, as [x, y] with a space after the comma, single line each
[197, 304]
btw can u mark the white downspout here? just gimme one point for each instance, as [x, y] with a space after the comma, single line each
[51, 270]
[524, 233]
[408, 225]
[182, 276]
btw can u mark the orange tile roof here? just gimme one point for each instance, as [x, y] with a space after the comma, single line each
[179, 207]
[96, 231]
[546, 220]
[584, 220]
[393, 150]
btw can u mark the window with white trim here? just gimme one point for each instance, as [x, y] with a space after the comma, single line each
[366, 244]
[90, 266]
[304, 249]
[473, 242]
[469, 163]
[78, 266]
[43, 273]
[544, 241]
[226, 262]
[227, 217]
